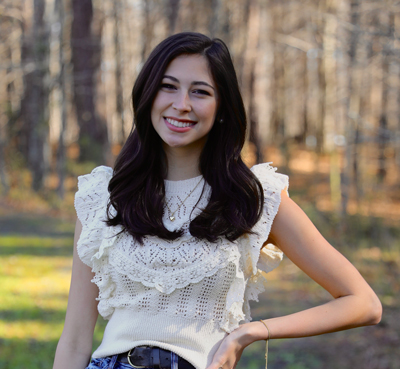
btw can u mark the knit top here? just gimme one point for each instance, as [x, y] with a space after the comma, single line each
[184, 295]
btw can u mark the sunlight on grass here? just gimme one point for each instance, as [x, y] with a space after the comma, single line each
[33, 293]
[24, 329]
[35, 275]
[34, 241]
[27, 268]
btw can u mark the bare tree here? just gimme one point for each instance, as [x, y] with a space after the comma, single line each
[353, 104]
[383, 132]
[118, 70]
[61, 153]
[93, 136]
[35, 102]
[250, 77]
[172, 8]
[147, 32]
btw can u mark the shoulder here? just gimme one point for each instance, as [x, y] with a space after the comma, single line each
[269, 178]
[274, 185]
[101, 174]
[92, 194]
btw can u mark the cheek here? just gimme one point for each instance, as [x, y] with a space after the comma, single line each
[211, 111]
[155, 106]
[156, 111]
[208, 111]
[160, 102]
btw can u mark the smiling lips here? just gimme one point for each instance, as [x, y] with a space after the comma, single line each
[181, 125]
[181, 122]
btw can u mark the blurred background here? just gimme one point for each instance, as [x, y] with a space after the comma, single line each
[321, 85]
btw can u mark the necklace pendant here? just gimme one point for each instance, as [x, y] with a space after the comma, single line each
[172, 218]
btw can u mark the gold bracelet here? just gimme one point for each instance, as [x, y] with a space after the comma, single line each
[266, 345]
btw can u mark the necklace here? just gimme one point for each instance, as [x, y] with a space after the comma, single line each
[171, 214]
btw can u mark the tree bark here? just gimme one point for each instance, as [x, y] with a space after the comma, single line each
[249, 76]
[383, 132]
[118, 71]
[353, 106]
[214, 22]
[61, 152]
[34, 105]
[93, 136]
[147, 32]
[172, 14]
[3, 138]
[5, 50]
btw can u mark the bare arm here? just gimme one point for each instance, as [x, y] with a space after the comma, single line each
[354, 304]
[75, 345]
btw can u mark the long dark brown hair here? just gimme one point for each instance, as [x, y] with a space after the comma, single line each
[137, 187]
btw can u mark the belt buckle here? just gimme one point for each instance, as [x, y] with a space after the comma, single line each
[130, 363]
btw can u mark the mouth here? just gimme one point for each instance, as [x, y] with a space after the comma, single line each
[180, 123]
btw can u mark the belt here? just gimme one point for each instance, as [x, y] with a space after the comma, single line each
[151, 357]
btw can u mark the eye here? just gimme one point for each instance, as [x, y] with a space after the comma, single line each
[167, 86]
[201, 92]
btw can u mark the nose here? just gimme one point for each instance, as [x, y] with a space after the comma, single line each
[182, 102]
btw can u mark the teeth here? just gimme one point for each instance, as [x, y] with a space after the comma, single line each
[178, 124]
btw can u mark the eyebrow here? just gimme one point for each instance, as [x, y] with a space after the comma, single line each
[196, 83]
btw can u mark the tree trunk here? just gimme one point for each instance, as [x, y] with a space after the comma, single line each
[147, 32]
[118, 71]
[383, 132]
[214, 22]
[172, 14]
[3, 123]
[93, 137]
[61, 154]
[278, 84]
[4, 98]
[353, 111]
[34, 105]
[249, 76]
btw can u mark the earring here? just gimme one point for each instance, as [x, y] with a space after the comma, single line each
[221, 121]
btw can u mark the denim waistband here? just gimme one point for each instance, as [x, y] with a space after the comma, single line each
[111, 362]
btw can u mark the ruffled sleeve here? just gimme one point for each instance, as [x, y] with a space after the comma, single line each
[90, 204]
[260, 258]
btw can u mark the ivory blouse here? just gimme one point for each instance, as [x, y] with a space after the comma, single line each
[184, 295]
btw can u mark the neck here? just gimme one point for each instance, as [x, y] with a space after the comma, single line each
[182, 163]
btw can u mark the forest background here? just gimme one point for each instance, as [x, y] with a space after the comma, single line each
[321, 85]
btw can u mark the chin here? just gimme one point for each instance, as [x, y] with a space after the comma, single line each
[175, 144]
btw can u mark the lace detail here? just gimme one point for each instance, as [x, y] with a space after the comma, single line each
[256, 255]
[165, 268]
[90, 204]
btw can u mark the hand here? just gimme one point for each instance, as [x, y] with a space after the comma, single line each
[232, 346]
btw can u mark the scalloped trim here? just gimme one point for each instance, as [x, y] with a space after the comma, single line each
[170, 280]
[256, 256]
[90, 201]
[101, 268]
[234, 302]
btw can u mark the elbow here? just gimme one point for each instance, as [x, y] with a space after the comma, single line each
[374, 314]
[377, 312]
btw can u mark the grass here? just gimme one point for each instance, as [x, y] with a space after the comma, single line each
[35, 271]
[35, 266]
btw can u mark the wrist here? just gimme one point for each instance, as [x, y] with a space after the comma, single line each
[251, 332]
[267, 328]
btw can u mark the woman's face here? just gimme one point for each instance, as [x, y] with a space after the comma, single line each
[184, 108]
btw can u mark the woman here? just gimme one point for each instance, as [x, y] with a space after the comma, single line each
[173, 237]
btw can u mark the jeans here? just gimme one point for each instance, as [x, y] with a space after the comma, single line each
[110, 362]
